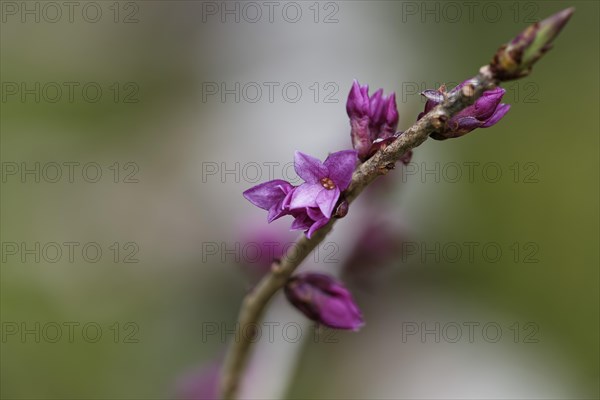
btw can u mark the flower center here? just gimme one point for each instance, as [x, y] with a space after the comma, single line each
[327, 183]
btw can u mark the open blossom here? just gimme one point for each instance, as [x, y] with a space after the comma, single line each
[323, 299]
[373, 119]
[485, 112]
[312, 203]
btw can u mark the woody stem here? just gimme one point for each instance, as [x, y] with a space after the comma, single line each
[384, 160]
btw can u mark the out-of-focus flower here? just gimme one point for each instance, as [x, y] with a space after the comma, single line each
[323, 299]
[515, 59]
[485, 112]
[259, 246]
[373, 119]
[311, 203]
[202, 384]
[380, 240]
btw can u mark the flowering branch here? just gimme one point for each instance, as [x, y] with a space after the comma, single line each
[444, 120]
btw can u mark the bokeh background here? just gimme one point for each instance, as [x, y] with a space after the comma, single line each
[175, 149]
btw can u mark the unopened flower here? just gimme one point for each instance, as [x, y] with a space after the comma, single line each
[515, 59]
[485, 112]
[323, 299]
[311, 203]
[372, 118]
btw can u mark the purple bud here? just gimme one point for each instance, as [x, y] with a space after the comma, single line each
[391, 118]
[515, 59]
[358, 104]
[376, 105]
[323, 299]
[372, 118]
[485, 112]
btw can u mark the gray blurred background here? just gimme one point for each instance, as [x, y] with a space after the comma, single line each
[130, 129]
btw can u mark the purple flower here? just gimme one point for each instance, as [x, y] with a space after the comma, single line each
[323, 182]
[372, 118]
[311, 203]
[323, 299]
[485, 112]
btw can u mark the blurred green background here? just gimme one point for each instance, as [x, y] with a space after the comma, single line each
[157, 124]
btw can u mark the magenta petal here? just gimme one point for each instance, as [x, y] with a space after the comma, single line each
[309, 168]
[314, 213]
[267, 194]
[305, 195]
[326, 201]
[285, 203]
[316, 225]
[341, 314]
[485, 106]
[277, 211]
[340, 166]
[391, 118]
[357, 104]
[376, 104]
[497, 116]
[302, 222]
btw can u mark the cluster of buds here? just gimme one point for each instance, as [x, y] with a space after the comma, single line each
[485, 112]
[373, 119]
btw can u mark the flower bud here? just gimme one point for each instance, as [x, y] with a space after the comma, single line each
[372, 118]
[323, 299]
[516, 58]
[485, 112]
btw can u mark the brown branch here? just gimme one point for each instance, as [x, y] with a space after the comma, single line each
[512, 61]
[384, 160]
